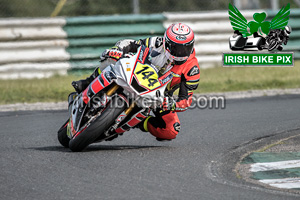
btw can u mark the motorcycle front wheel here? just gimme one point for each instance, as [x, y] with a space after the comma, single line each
[99, 125]
[62, 135]
[273, 45]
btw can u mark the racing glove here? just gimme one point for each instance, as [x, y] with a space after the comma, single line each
[169, 104]
[112, 53]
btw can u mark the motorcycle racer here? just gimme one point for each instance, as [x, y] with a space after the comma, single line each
[174, 51]
[277, 37]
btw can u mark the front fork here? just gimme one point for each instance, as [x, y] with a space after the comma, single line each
[122, 116]
[112, 90]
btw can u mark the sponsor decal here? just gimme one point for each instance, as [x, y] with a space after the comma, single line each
[194, 71]
[141, 55]
[158, 93]
[181, 37]
[165, 80]
[176, 126]
[158, 42]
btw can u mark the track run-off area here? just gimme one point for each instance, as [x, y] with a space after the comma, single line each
[198, 164]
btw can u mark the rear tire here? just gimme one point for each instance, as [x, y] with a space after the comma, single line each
[62, 135]
[99, 126]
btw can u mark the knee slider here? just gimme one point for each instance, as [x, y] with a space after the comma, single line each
[176, 127]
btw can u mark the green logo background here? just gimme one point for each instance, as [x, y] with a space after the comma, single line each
[239, 22]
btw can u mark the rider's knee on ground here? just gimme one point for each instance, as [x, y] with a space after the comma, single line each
[165, 126]
[168, 133]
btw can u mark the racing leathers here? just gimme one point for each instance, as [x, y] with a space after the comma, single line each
[165, 125]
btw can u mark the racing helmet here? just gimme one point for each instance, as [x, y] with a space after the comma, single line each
[178, 42]
[287, 30]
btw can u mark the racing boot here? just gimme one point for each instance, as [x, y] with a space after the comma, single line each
[80, 85]
[143, 125]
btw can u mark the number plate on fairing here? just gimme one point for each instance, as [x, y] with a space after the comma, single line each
[146, 76]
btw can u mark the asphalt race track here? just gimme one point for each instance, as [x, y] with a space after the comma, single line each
[197, 165]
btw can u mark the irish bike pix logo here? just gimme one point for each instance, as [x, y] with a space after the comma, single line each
[259, 42]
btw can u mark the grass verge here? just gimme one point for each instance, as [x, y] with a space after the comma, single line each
[221, 79]
[249, 78]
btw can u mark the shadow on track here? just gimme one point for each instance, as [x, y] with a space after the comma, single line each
[97, 148]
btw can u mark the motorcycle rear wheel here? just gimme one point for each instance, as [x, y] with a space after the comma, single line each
[99, 126]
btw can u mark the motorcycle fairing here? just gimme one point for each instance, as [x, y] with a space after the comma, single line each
[96, 86]
[133, 121]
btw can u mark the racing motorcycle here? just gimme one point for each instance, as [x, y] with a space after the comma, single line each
[116, 101]
[277, 37]
[238, 43]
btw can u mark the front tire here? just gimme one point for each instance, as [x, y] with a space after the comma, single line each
[99, 126]
[273, 44]
[62, 135]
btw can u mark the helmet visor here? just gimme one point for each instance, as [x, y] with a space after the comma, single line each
[179, 52]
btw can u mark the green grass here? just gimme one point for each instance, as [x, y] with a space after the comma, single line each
[249, 78]
[221, 79]
[52, 89]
